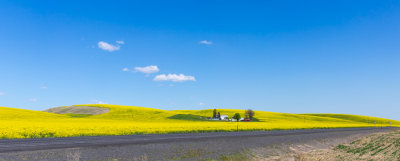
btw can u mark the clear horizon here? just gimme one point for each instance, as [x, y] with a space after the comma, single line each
[282, 56]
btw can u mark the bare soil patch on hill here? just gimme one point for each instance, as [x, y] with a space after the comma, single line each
[78, 110]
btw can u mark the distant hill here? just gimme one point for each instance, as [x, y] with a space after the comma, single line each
[106, 111]
[7, 113]
[103, 119]
[358, 118]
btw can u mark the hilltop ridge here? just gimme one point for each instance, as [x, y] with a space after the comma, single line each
[107, 111]
[86, 120]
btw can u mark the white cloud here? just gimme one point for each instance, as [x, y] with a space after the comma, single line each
[148, 69]
[32, 100]
[174, 78]
[44, 87]
[205, 42]
[98, 102]
[125, 69]
[201, 103]
[108, 47]
[2, 93]
[120, 42]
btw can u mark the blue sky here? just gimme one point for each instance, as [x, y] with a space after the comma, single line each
[282, 56]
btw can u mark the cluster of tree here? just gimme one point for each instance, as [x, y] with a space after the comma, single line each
[216, 115]
[236, 117]
[249, 114]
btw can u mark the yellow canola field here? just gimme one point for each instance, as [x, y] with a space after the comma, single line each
[128, 120]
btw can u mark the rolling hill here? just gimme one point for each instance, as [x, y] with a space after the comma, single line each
[102, 119]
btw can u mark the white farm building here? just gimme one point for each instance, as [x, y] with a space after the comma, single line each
[224, 117]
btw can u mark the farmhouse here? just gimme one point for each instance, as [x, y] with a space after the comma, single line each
[224, 117]
[220, 117]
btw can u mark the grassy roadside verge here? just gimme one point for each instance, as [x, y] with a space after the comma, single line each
[382, 146]
[378, 146]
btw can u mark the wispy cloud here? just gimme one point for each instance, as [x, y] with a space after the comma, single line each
[120, 42]
[125, 69]
[205, 42]
[44, 87]
[108, 47]
[2, 93]
[98, 101]
[201, 104]
[174, 78]
[148, 69]
[32, 100]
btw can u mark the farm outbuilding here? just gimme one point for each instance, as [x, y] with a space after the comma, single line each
[224, 117]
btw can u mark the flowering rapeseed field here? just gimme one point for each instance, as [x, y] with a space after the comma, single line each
[128, 120]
